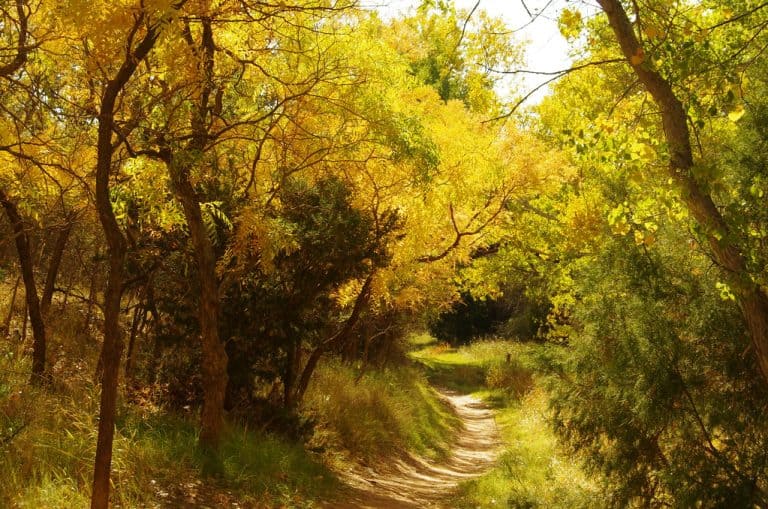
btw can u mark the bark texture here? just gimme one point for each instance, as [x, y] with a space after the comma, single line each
[214, 355]
[751, 299]
[214, 367]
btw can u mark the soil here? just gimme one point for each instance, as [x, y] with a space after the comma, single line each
[415, 482]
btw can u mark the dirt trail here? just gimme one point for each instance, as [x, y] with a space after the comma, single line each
[415, 482]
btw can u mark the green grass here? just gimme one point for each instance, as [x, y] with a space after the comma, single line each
[533, 471]
[386, 411]
[155, 460]
[48, 439]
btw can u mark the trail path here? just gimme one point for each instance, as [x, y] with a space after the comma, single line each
[415, 482]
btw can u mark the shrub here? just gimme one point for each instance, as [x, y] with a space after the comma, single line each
[511, 377]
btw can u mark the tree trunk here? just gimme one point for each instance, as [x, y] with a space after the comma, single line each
[214, 354]
[139, 313]
[24, 322]
[91, 300]
[53, 266]
[9, 316]
[30, 289]
[335, 341]
[751, 299]
[116, 250]
[156, 347]
[214, 368]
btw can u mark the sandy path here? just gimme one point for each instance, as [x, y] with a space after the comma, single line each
[414, 482]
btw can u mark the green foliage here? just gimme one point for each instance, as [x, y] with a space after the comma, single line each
[456, 53]
[511, 312]
[274, 312]
[405, 135]
[654, 391]
[215, 220]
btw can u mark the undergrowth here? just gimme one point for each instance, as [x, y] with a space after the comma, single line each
[155, 463]
[385, 411]
[48, 436]
[48, 441]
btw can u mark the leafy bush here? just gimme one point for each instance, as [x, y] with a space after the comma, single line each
[656, 391]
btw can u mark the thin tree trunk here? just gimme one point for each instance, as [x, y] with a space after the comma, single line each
[214, 354]
[91, 300]
[338, 339]
[751, 299]
[156, 347]
[30, 289]
[24, 322]
[138, 316]
[53, 266]
[67, 293]
[9, 316]
[116, 250]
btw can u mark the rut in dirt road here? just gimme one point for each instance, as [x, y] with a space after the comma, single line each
[415, 482]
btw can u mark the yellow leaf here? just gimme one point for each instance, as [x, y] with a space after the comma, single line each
[638, 58]
[736, 113]
[570, 23]
[652, 32]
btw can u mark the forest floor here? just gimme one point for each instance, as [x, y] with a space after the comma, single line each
[415, 482]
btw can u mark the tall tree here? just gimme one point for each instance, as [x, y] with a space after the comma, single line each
[19, 46]
[180, 165]
[140, 37]
[26, 262]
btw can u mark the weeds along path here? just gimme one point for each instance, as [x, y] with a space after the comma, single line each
[414, 482]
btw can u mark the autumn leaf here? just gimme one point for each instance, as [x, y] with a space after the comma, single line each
[638, 58]
[736, 113]
[570, 23]
[652, 32]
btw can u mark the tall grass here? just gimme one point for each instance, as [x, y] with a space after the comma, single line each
[48, 437]
[48, 460]
[385, 411]
[155, 461]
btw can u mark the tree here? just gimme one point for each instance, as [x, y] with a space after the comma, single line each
[655, 386]
[751, 298]
[146, 26]
[19, 50]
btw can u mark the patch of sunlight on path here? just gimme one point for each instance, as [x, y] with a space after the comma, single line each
[414, 482]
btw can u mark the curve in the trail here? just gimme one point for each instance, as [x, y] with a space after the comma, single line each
[415, 482]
